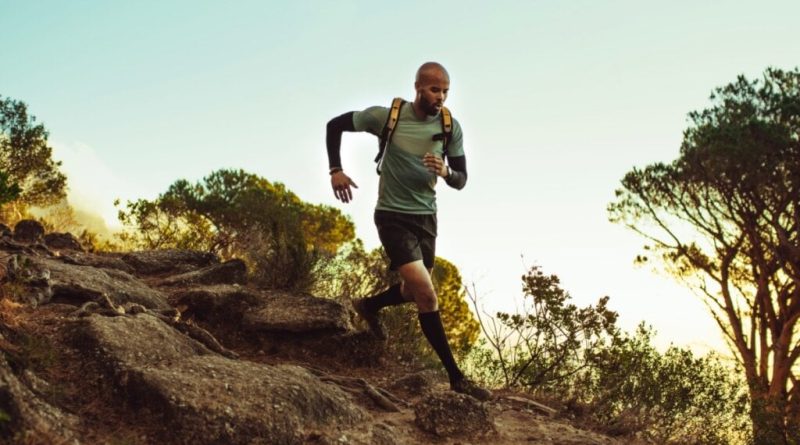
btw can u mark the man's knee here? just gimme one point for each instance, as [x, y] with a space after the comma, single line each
[425, 297]
[417, 282]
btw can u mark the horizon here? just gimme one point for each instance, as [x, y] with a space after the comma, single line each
[557, 103]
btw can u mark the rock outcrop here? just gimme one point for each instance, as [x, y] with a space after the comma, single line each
[62, 282]
[174, 347]
[282, 312]
[208, 399]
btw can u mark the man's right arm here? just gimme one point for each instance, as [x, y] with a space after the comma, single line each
[333, 138]
[340, 182]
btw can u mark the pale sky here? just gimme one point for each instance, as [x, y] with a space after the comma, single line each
[557, 99]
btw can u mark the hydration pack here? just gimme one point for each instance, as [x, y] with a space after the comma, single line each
[391, 124]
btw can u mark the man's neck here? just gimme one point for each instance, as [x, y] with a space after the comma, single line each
[418, 111]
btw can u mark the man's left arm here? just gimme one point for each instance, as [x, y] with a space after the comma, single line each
[454, 172]
[457, 172]
[456, 175]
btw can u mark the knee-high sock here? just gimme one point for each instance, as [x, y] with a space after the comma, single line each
[389, 297]
[431, 323]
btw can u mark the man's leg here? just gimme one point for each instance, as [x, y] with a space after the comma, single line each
[417, 281]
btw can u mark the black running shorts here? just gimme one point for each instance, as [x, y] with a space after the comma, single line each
[407, 237]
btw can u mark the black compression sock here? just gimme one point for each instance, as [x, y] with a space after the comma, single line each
[431, 323]
[389, 297]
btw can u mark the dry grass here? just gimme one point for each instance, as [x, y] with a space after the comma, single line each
[8, 308]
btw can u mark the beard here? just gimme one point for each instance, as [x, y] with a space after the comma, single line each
[431, 109]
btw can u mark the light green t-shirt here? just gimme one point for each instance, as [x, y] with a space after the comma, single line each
[406, 186]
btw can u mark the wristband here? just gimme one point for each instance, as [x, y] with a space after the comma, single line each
[334, 170]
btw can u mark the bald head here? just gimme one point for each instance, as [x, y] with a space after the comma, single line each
[431, 70]
[432, 85]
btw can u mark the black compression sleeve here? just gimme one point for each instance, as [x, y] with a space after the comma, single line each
[458, 172]
[333, 138]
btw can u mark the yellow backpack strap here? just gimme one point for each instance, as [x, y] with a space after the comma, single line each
[394, 115]
[388, 130]
[447, 129]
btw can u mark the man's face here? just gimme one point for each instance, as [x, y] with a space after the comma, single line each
[432, 89]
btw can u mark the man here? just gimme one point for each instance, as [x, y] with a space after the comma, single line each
[406, 211]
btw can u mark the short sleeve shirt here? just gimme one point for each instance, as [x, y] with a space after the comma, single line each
[406, 186]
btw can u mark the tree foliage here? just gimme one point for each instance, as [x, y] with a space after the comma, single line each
[26, 158]
[9, 191]
[238, 214]
[724, 216]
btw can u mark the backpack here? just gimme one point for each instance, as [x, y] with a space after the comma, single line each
[391, 123]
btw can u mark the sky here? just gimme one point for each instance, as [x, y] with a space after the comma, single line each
[557, 100]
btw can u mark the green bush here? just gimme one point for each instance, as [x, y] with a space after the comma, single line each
[236, 214]
[578, 359]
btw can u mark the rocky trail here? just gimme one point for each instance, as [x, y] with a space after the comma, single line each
[174, 347]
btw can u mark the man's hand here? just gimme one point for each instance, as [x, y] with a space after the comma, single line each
[341, 186]
[435, 164]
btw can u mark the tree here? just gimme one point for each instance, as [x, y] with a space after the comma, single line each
[26, 157]
[238, 214]
[724, 217]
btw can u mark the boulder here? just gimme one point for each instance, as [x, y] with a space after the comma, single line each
[28, 231]
[451, 414]
[229, 272]
[62, 241]
[5, 230]
[75, 284]
[26, 418]
[217, 304]
[281, 311]
[203, 398]
[168, 261]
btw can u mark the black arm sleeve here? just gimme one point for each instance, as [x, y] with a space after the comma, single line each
[458, 172]
[333, 138]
